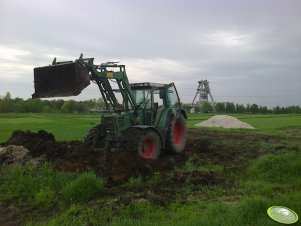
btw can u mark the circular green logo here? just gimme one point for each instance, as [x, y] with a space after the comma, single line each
[282, 214]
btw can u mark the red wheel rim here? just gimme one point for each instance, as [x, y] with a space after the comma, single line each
[148, 149]
[178, 133]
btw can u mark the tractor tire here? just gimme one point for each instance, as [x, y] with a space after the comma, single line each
[149, 145]
[146, 142]
[176, 135]
[92, 137]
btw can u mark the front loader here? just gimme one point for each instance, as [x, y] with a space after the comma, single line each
[147, 118]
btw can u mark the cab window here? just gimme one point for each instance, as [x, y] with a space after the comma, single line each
[173, 97]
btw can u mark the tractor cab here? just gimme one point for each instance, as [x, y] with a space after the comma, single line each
[153, 98]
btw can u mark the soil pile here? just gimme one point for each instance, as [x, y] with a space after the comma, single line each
[40, 143]
[224, 121]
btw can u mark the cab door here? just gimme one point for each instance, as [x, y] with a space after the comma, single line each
[173, 99]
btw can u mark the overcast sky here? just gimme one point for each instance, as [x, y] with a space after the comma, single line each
[249, 51]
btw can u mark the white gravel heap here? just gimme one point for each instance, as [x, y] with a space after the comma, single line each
[13, 154]
[224, 121]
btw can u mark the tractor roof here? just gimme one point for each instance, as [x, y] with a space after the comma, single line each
[147, 84]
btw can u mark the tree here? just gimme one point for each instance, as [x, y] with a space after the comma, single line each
[197, 109]
[6, 103]
[68, 106]
[80, 107]
[240, 108]
[56, 104]
[207, 107]
[90, 104]
[248, 108]
[6, 106]
[7, 96]
[276, 110]
[220, 107]
[34, 105]
[18, 104]
[187, 107]
[263, 110]
[230, 107]
[254, 108]
[100, 103]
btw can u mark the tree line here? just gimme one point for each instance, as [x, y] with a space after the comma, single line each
[19, 105]
[231, 108]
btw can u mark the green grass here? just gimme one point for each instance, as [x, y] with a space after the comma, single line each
[46, 186]
[262, 122]
[197, 118]
[272, 122]
[75, 126]
[194, 163]
[250, 211]
[83, 188]
[286, 125]
[134, 182]
[279, 168]
[64, 126]
[31, 184]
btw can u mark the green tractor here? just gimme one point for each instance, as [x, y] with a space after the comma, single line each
[144, 117]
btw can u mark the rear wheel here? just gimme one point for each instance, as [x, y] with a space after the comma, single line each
[176, 135]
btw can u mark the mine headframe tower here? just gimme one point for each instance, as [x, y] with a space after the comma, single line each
[203, 91]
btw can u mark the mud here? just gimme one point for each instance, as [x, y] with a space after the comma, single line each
[120, 165]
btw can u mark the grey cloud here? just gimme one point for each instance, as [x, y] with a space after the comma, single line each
[245, 49]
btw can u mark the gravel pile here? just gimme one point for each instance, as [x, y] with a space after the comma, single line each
[13, 154]
[224, 121]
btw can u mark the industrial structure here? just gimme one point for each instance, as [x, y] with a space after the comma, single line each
[203, 91]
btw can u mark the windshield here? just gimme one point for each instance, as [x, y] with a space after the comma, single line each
[142, 96]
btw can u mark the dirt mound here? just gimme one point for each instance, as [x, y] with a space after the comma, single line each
[224, 121]
[40, 143]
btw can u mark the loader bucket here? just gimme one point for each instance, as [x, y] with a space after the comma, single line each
[60, 80]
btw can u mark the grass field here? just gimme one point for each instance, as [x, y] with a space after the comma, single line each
[63, 126]
[45, 196]
[261, 122]
[75, 126]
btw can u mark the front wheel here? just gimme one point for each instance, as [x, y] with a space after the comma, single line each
[176, 135]
[145, 142]
[92, 137]
[149, 145]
